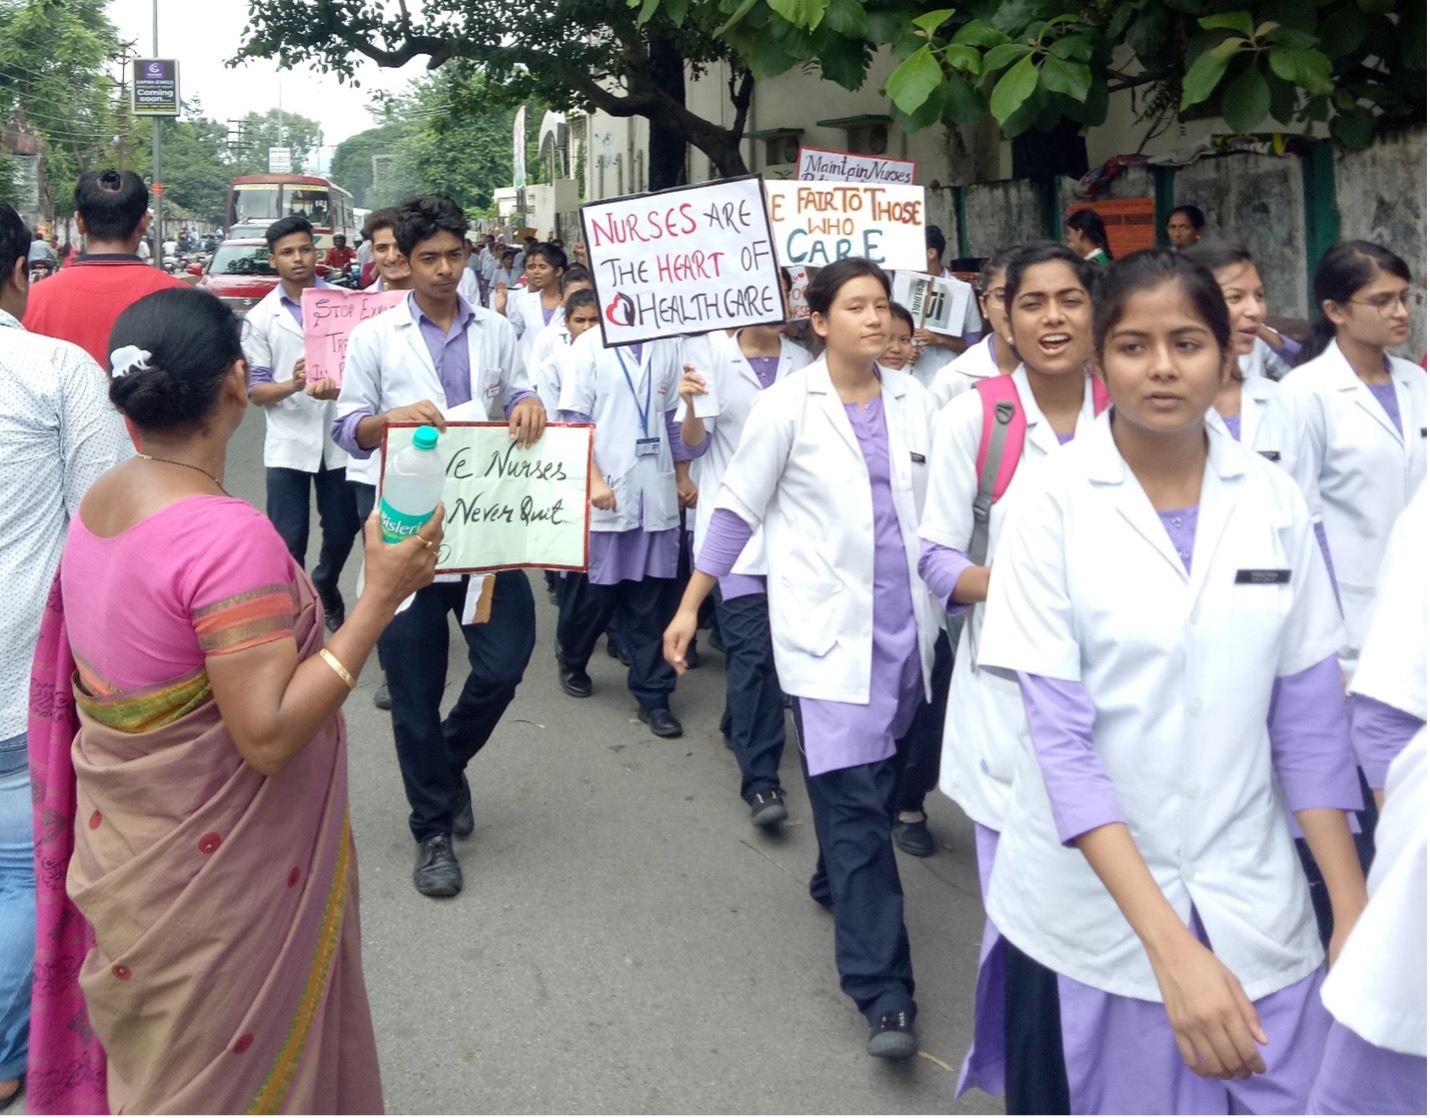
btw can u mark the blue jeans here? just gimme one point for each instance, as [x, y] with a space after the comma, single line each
[17, 906]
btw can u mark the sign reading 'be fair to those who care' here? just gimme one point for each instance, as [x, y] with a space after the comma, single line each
[507, 507]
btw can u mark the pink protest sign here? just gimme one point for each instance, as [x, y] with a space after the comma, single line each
[329, 315]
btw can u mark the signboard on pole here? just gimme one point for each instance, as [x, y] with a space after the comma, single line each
[817, 223]
[156, 87]
[280, 161]
[683, 261]
[510, 507]
[817, 164]
[518, 150]
[329, 315]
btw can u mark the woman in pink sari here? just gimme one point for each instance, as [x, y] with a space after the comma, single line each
[190, 771]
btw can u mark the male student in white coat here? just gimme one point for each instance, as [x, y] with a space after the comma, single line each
[428, 356]
[936, 350]
[299, 453]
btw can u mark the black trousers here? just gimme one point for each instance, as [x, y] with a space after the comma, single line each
[754, 703]
[432, 751]
[920, 772]
[1037, 1078]
[858, 878]
[640, 610]
[288, 496]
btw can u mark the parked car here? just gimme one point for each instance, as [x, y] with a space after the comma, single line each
[239, 273]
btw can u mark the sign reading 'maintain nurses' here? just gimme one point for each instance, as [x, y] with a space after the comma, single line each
[683, 261]
[817, 164]
[817, 223]
[507, 507]
[156, 87]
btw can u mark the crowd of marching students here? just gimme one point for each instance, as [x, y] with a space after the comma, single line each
[1134, 580]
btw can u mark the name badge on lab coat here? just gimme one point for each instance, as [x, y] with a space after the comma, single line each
[647, 448]
[1270, 576]
[1270, 455]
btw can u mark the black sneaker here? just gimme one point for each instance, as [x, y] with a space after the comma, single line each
[915, 838]
[464, 822]
[891, 1037]
[437, 873]
[767, 809]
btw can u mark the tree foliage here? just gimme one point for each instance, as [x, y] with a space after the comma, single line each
[570, 54]
[55, 85]
[1354, 64]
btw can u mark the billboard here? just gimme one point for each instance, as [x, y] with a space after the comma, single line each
[156, 87]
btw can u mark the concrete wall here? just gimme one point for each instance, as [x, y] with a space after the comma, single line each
[1381, 192]
[1003, 213]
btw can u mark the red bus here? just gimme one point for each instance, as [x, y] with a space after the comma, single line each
[256, 201]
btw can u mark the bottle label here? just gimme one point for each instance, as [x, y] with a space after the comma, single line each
[399, 526]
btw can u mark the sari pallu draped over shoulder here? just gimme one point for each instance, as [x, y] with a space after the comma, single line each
[223, 972]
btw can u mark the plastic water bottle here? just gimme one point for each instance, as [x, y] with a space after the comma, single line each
[411, 487]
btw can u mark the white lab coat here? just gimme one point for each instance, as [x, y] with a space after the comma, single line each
[732, 387]
[596, 386]
[1180, 668]
[298, 430]
[550, 363]
[1273, 423]
[524, 312]
[985, 726]
[388, 366]
[977, 362]
[1263, 361]
[1367, 472]
[1392, 663]
[467, 288]
[1377, 989]
[799, 472]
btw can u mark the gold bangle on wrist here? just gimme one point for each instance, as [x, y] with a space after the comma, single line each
[334, 663]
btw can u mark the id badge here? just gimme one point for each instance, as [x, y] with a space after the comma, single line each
[648, 448]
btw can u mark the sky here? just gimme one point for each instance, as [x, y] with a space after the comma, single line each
[204, 34]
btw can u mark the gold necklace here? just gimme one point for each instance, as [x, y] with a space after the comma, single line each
[187, 466]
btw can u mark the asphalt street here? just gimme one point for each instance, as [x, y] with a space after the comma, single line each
[626, 941]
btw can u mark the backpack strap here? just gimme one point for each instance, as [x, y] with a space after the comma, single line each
[999, 450]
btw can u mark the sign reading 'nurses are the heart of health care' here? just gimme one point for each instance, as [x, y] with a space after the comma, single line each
[683, 261]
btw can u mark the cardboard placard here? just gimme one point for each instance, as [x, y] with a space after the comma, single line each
[329, 315]
[818, 223]
[683, 261]
[507, 507]
[823, 165]
[935, 303]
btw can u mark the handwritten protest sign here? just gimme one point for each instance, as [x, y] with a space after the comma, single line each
[508, 507]
[935, 302]
[819, 223]
[329, 315]
[816, 164]
[797, 301]
[683, 261]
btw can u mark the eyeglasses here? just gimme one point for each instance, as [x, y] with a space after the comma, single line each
[995, 293]
[1386, 304]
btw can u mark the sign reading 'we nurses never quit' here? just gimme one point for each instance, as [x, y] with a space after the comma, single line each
[683, 261]
[507, 507]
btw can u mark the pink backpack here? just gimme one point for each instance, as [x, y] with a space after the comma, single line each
[1000, 449]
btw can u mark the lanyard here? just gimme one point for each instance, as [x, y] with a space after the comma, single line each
[644, 414]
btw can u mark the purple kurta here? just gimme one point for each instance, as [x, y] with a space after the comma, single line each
[1233, 424]
[1385, 394]
[842, 735]
[1357, 1077]
[1379, 732]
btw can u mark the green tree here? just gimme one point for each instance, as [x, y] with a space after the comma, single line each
[261, 131]
[194, 164]
[351, 167]
[569, 54]
[55, 57]
[1035, 64]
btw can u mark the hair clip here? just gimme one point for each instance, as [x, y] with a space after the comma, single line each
[130, 359]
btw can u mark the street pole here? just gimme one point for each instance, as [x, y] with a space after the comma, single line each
[158, 255]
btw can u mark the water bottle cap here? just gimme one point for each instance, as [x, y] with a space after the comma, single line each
[425, 439]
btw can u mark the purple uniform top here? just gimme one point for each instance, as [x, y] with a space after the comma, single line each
[1233, 424]
[448, 350]
[1385, 394]
[1307, 724]
[841, 735]
[1063, 440]
[764, 369]
[1379, 732]
[546, 314]
[261, 374]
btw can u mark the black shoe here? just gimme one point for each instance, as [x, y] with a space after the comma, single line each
[715, 641]
[575, 682]
[381, 698]
[334, 618]
[767, 809]
[692, 657]
[662, 723]
[892, 1037]
[616, 652]
[819, 891]
[915, 838]
[437, 873]
[463, 821]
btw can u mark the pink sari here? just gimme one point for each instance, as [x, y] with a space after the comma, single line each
[209, 961]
